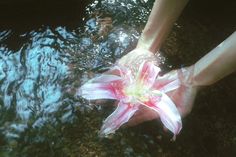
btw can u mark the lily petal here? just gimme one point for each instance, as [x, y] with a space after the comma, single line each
[121, 115]
[147, 73]
[100, 87]
[165, 80]
[170, 86]
[124, 72]
[105, 78]
[93, 91]
[168, 113]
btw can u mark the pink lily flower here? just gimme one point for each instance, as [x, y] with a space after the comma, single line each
[132, 91]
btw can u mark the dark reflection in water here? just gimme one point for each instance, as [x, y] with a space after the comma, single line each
[42, 64]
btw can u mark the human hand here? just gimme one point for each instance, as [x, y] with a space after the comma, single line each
[136, 57]
[140, 87]
[183, 97]
[134, 90]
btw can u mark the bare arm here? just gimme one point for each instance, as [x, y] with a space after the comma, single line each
[163, 15]
[218, 63]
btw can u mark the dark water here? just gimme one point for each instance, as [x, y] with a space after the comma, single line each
[46, 54]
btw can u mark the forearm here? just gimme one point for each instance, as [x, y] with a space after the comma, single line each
[218, 63]
[163, 15]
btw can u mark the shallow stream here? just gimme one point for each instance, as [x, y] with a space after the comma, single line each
[43, 63]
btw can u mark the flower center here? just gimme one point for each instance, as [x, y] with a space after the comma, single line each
[137, 91]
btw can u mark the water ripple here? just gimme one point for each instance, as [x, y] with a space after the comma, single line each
[38, 79]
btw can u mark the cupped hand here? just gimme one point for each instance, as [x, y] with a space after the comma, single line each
[183, 97]
[136, 57]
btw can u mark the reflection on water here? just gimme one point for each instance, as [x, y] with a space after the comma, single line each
[32, 81]
[37, 80]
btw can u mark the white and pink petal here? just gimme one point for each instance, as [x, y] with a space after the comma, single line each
[105, 86]
[167, 111]
[170, 86]
[169, 114]
[93, 91]
[105, 78]
[121, 115]
[147, 73]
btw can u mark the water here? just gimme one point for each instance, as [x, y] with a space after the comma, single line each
[38, 77]
[41, 67]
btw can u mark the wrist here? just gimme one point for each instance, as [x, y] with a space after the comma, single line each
[188, 78]
[146, 44]
[191, 77]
